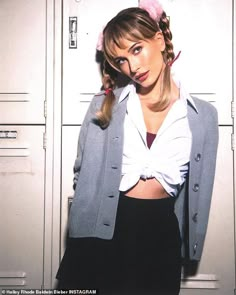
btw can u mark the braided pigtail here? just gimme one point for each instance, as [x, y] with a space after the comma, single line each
[164, 25]
[104, 115]
[168, 56]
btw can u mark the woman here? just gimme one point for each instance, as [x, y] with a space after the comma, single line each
[145, 168]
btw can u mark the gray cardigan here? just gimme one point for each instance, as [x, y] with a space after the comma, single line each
[98, 174]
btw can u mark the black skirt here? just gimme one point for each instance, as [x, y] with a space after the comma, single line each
[143, 258]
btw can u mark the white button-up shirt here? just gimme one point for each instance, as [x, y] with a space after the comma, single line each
[168, 157]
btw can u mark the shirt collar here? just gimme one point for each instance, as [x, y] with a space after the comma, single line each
[183, 93]
[127, 89]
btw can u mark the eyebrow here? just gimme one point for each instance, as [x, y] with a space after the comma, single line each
[133, 46]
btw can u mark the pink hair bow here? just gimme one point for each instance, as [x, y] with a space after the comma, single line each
[100, 41]
[153, 7]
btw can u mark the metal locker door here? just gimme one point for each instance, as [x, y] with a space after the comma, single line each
[203, 32]
[23, 61]
[197, 27]
[25, 73]
[22, 206]
[81, 77]
[215, 275]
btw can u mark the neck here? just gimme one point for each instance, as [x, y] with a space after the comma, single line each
[154, 99]
[152, 92]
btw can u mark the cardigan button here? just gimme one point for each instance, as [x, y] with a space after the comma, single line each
[106, 223]
[197, 157]
[196, 187]
[195, 217]
[111, 196]
[195, 248]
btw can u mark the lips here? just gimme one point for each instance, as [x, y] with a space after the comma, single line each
[141, 77]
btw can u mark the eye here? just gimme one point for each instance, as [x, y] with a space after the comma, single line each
[137, 49]
[120, 61]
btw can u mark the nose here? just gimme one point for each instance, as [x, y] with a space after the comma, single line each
[133, 65]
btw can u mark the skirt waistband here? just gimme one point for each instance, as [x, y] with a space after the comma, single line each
[156, 206]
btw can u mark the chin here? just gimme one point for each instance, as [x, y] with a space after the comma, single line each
[146, 84]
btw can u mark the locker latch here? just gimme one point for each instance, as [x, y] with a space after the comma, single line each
[70, 200]
[6, 134]
[72, 32]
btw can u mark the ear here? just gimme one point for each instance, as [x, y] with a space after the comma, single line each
[159, 38]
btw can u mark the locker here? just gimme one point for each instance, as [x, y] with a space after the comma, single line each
[203, 32]
[24, 86]
[22, 61]
[22, 206]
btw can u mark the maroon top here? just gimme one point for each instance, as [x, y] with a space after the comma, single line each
[150, 139]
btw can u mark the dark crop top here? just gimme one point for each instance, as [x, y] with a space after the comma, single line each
[150, 139]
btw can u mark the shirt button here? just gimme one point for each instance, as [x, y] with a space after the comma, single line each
[195, 217]
[196, 187]
[197, 157]
[111, 196]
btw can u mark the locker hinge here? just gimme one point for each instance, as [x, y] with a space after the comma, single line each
[45, 141]
[232, 109]
[45, 109]
[232, 141]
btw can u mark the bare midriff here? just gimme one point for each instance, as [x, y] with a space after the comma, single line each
[147, 189]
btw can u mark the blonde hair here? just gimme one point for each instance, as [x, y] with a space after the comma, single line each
[135, 24]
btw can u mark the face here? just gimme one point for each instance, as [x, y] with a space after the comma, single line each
[142, 61]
